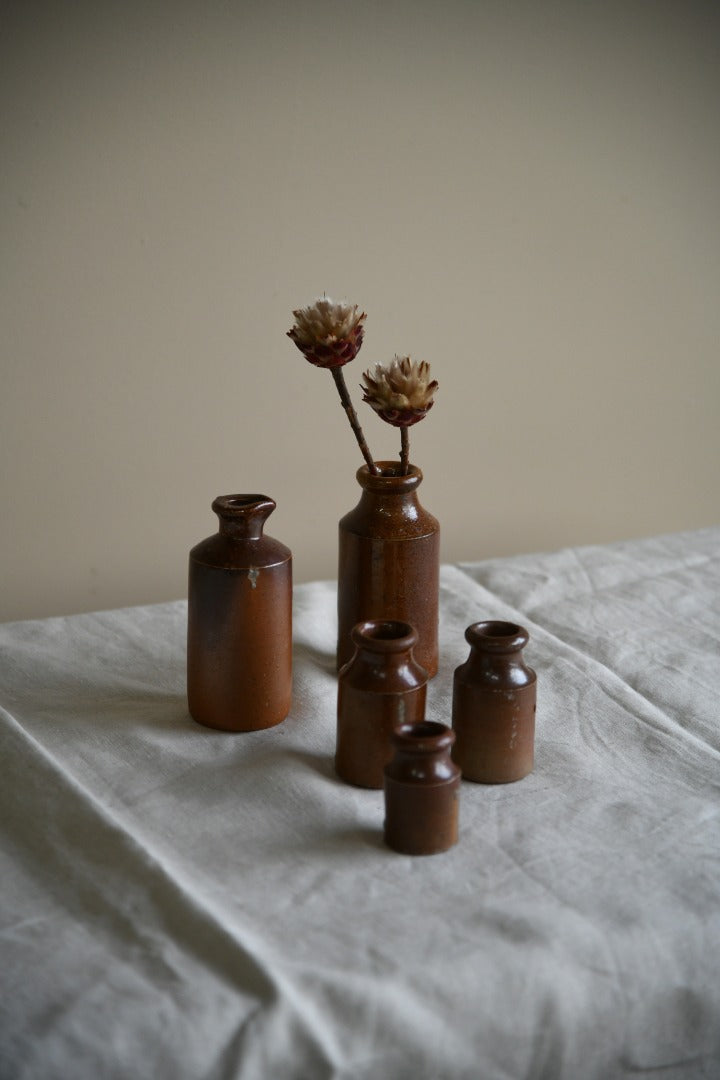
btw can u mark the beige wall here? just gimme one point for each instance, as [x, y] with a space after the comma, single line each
[524, 194]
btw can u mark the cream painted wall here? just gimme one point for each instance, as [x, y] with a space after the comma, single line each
[525, 194]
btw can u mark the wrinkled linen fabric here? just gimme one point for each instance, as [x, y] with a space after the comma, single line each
[180, 903]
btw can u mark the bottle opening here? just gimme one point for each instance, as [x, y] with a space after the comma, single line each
[387, 631]
[426, 729]
[384, 635]
[241, 502]
[427, 736]
[390, 477]
[497, 637]
[498, 629]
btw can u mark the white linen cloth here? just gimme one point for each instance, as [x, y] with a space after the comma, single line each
[179, 903]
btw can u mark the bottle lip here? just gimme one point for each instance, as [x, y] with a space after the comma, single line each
[390, 480]
[384, 635]
[233, 506]
[496, 636]
[426, 736]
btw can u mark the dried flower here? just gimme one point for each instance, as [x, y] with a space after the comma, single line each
[329, 333]
[401, 393]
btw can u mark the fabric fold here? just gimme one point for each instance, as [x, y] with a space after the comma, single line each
[177, 903]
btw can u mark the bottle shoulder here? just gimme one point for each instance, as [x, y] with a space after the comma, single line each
[383, 521]
[495, 677]
[239, 554]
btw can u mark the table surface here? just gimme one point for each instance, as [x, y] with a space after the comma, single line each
[179, 903]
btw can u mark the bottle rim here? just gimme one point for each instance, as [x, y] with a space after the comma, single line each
[497, 636]
[390, 481]
[384, 635]
[426, 736]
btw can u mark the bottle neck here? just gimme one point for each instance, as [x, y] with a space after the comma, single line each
[496, 653]
[390, 492]
[505, 669]
[243, 517]
[422, 752]
[384, 652]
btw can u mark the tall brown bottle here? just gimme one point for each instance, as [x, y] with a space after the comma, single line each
[381, 688]
[389, 561]
[493, 710]
[239, 648]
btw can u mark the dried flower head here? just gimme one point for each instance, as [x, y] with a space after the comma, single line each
[328, 333]
[401, 393]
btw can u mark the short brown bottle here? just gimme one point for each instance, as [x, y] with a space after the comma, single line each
[421, 790]
[239, 648]
[381, 687]
[389, 561]
[493, 711]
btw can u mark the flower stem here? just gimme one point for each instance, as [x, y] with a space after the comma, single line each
[347, 405]
[404, 451]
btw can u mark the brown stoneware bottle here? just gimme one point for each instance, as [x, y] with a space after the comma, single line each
[493, 711]
[239, 648]
[389, 561]
[381, 688]
[421, 790]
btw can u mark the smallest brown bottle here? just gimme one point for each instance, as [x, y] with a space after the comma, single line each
[421, 790]
[493, 711]
[379, 689]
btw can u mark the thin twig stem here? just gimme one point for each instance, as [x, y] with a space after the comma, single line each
[347, 405]
[404, 451]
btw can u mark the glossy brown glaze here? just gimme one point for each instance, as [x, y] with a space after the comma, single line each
[389, 561]
[421, 790]
[381, 688]
[493, 712]
[239, 649]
